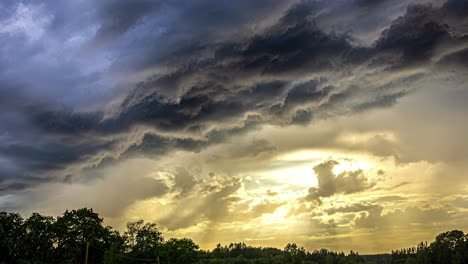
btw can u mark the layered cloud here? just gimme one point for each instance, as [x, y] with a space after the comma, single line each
[289, 69]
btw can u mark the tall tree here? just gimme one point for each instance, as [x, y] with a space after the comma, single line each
[38, 240]
[143, 239]
[181, 251]
[76, 228]
[11, 231]
[444, 247]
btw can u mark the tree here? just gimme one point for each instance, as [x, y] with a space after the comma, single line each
[461, 252]
[444, 247]
[330, 259]
[76, 228]
[38, 238]
[411, 260]
[11, 231]
[114, 254]
[353, 257]
[181, 251]
[143, 240]
[295, 254]
[422, 255]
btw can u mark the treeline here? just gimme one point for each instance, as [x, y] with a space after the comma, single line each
[68, 238]
[43, 239]
[448, 248]
[240, 253]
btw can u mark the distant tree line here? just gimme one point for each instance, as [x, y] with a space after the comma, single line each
[44, 239]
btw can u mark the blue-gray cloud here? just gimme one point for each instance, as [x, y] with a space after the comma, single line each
[76, 77]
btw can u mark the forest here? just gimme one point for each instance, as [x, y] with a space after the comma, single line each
[79, 236]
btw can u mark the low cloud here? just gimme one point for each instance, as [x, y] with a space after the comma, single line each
[329, 183]
[353, 208]
[214, 202]
[211, 204]
[412, 215]
[111, 192]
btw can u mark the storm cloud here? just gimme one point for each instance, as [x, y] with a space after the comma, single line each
[285, 71]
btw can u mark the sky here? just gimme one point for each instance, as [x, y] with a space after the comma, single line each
[336, 124]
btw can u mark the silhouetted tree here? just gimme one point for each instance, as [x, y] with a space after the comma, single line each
[11, 233]
[38, 240]
[76, 228]
[143, 240]
[183, 251]
[295, 254]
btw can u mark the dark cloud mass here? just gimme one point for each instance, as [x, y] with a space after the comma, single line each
[117, 17]
[123, 79]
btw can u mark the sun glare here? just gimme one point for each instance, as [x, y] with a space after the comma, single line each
[294, 171]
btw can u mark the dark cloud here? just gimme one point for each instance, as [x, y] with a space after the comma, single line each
[15, 179]
[329, 183]
[308, 92]
[28, 165]
[459, 7]
[198, 106]
[302, 45]
[156, 145]
[66, 121]
[51, 156]
[380, 102]
[458, 58]
[415, 34]
[118, 16]
[193, 69]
